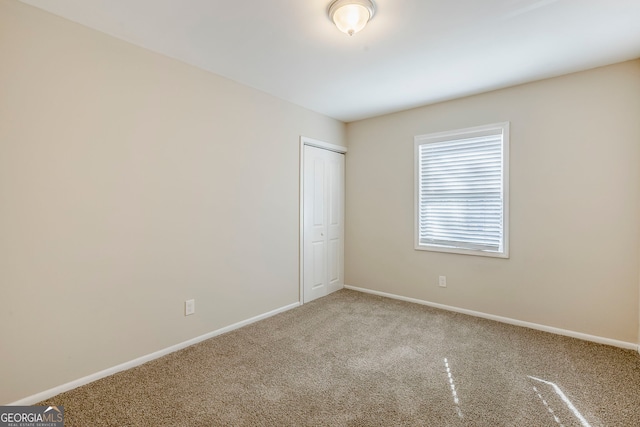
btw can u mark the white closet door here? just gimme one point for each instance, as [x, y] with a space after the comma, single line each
[323, 252]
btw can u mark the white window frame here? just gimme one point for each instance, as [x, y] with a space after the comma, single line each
[454, 135]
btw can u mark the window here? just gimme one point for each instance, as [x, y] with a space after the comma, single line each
[462, 182]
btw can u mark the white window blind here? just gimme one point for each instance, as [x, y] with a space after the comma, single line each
[460, 188]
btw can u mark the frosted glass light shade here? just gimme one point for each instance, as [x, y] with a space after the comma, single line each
[350, 16]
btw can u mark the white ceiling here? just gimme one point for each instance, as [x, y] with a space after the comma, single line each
[413, 52]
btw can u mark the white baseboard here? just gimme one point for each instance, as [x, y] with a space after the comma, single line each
[144, 359]
[557, 331]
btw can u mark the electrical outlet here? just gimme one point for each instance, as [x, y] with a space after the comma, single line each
[442, 281]
[189, 307]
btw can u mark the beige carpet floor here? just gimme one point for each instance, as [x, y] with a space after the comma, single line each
[352, 359]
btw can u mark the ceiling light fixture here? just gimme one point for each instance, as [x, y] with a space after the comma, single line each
[350, 16]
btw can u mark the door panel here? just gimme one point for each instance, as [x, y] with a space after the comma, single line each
[323, 222]
[319, 276]
[318, 192]
[334, 262]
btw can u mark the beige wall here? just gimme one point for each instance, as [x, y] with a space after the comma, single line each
[130, 182]
[575, 205]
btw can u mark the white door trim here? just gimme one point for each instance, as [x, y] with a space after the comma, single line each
[326, 146]
[321, 144]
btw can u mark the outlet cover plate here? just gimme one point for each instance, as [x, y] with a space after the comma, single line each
[189, 307]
